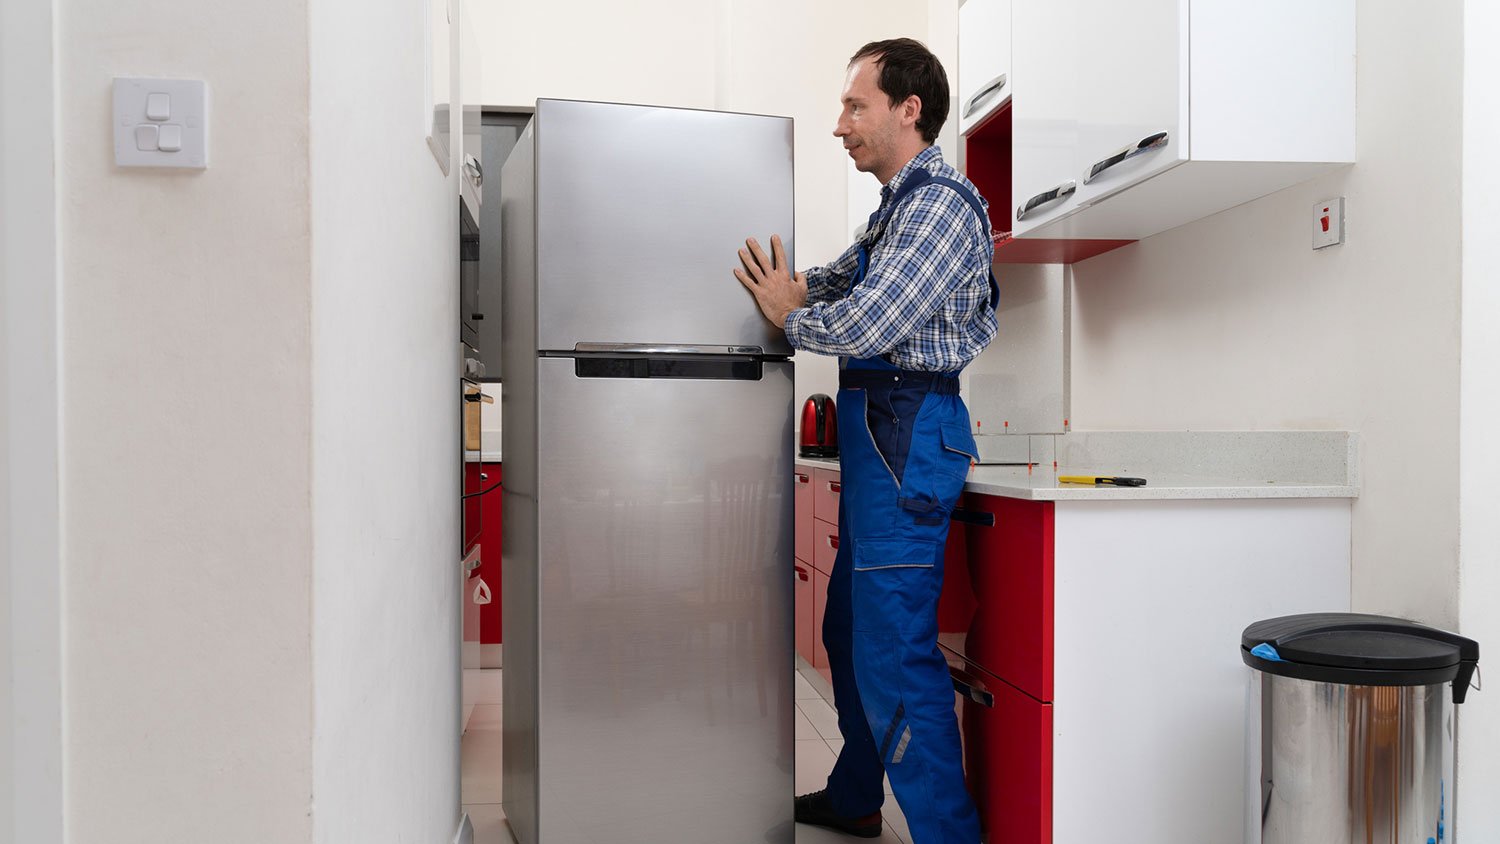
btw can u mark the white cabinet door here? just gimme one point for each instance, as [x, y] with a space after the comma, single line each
[1132, 93]
[1044, 111]
[983, 60]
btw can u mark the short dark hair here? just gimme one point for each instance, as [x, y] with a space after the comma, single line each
[907, 67]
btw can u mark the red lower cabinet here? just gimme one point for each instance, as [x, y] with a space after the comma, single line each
[802, 609]
[491, 531]
[1008, 759]
[1010, 567]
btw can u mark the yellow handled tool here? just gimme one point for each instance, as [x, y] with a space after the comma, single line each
[1100, 480]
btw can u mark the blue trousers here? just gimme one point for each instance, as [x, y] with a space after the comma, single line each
[905, 449]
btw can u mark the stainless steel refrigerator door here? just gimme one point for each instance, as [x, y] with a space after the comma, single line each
[664, 608]
[640, 213]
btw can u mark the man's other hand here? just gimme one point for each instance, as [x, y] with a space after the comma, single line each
[777, 290]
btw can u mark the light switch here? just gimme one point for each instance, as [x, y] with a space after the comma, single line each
[158, 106]
[146, 138]
[171, 137]
[143, 135]
[1328, 223]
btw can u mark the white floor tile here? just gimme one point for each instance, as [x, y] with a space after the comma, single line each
[818, 835]
[480, 759]
[488, 820]
[822, 717]
[482, 685]
[814, 764]
[486, 716]
[895, 821]
[805, 690]
[805, 728]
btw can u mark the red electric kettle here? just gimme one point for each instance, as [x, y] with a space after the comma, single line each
[820, 427]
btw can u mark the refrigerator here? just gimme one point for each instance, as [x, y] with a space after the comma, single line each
[647, 596]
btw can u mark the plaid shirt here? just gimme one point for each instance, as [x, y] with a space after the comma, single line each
[924, 303]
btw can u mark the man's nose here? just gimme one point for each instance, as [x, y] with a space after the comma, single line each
[839, 129]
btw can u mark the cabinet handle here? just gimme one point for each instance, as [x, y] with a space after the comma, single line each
[801, 573]
[982, 94]
[835, 486]
[1148, 143]
[970, 687]
[801, 478]
[973, 517]
[1046, 197]
[474, 170]
[833, 542]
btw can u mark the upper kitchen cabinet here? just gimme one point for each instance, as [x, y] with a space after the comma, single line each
[471, 144]
[1126, 120]
[983, 60]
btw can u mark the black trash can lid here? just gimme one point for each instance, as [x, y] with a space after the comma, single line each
[1364, 650]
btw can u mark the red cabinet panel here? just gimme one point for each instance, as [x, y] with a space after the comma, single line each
[826, 491]
[1008, 760]
[802, 503]
[825, 546]
[956, 603]
[1011, 571]
[802, 610]
[489, 554]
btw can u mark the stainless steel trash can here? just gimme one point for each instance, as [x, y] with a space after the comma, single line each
[1350, 729]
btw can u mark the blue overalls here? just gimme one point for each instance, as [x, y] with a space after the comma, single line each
[904, 450]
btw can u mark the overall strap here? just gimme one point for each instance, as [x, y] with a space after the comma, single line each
[917, 180]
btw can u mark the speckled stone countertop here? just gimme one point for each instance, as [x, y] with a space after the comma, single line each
[1179, 465]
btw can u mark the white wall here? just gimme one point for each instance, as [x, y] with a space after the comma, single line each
[1479, 532]
[1234, 322]
[31, 785]
[385, 429]
[187, 377]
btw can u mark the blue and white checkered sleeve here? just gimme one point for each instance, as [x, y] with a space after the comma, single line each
[829, 282]
[910, 277]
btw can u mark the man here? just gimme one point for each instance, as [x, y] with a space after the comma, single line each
[905, 308]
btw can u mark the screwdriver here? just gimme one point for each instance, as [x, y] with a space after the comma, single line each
[1101, 480]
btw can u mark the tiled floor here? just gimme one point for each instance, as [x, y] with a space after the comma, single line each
[817, 740]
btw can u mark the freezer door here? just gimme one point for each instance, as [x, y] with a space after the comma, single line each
[640, 213]
[664, 607]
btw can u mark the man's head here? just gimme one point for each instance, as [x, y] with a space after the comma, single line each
[895, 102]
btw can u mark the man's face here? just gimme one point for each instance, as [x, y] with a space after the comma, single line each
[869, 124]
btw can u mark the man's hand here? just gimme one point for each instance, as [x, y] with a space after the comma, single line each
[777, 291]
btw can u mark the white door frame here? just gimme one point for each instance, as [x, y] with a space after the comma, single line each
[31, 807]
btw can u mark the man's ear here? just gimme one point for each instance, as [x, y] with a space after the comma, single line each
[911, 110]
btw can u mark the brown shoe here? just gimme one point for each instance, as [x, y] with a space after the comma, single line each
[817, 809]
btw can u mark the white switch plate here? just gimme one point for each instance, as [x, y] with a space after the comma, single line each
[187, 108]
[1328, 223]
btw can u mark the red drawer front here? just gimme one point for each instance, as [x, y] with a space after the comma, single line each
[802, 608]
[956, 603]
[826, 491]
[1011, 571]
[825, 545]
[820, 599]
[802, 498]
[491, 534]
[472, 506]
[1008, 760]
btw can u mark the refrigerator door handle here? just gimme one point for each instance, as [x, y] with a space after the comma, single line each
[666, 349]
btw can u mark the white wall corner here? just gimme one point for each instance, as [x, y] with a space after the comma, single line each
[1477, 816]
[31, 691]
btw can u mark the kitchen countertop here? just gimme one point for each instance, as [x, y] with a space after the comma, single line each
[1241, 465]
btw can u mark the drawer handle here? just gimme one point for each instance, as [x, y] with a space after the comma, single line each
[833, 542]
[973, 517]
[801, 573]
[970, 687]
[983, 94]
[801, 478]
[1046, 197]
[1147, 144]
[835, 486]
